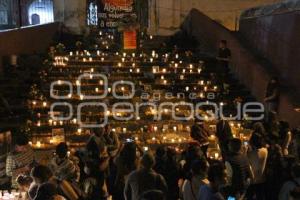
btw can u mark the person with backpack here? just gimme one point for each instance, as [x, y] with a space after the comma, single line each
[144, 179]
[198, 178]
[291, 189]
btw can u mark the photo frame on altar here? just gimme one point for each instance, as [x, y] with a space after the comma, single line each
[58, 135]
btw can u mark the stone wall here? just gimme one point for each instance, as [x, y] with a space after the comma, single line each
[27, 40]
[277, 41]
[243, 64]
[167, 15]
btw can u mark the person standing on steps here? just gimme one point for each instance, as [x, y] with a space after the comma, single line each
[223, 58]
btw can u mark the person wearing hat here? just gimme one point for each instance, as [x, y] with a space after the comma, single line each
[144, 179]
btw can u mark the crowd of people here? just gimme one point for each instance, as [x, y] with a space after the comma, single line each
[265, 168]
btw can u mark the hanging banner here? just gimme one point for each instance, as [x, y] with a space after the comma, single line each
[129, 39]
[112, 13]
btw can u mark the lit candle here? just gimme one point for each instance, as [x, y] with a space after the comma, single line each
[44, 104]
[124, 130]
[155, 128]
[77, 82]
[74, 120]
[61, 122]
[109, 90]
[101, 82]
[39, 124]
[96, 89]
[133, 54]
[34, 103]
[165, 82]
[151, 37]
[146, 148]
[187, 88]
[71, 53]
[92, 69]
[181, 77]
[130, 70]
[90, 59]
[98, 53]
[199, 71]
[123, 59]
[79, 130]
[164, 70]
[84, 59]
[81, 97]
[176, 65]
[176, 56]
[153, 53]
[38, 144]
[138, 70]
[119, 64]
[153, 139]
[183, 71]
[175, 128]
[102, 59]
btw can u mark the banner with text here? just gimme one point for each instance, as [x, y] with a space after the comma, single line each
[113, 12]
